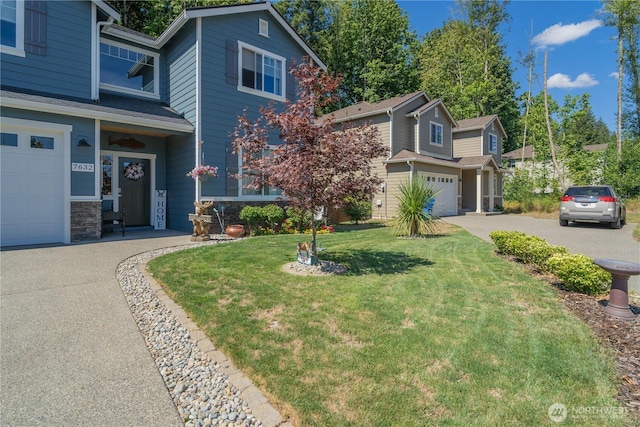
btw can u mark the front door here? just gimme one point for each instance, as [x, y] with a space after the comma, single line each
[135, 191]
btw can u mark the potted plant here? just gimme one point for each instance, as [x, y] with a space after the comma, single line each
[203, 172]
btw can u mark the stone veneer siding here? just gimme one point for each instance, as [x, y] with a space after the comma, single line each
[232, 213]
[86, 221]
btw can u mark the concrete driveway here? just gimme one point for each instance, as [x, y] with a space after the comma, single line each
[71, 353]
[592, 240]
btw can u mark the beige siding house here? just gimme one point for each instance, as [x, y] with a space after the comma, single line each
[461, 159]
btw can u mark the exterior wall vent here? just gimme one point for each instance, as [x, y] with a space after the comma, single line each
[264, 28]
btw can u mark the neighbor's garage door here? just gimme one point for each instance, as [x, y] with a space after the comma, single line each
[447, 199]
[32, 189]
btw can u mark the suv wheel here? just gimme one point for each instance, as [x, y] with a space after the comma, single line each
[616, 224]
[564, 222]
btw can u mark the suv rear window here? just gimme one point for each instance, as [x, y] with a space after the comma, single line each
[588, 191]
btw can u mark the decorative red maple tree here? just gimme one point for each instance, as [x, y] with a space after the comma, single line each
[313, 163]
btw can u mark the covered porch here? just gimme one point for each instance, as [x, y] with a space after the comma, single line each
[481, 185]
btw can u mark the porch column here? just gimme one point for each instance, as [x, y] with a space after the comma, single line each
[478, 190]
[491, 190]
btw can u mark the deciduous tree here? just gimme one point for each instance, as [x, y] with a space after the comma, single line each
[314, 164]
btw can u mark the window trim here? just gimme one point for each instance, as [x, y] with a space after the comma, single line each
[495, 149]
[18, 50]
[261, 196]
[262, 93]
[432, 140]
[120, 89]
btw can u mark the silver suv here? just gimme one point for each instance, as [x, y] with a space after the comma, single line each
[592, 203]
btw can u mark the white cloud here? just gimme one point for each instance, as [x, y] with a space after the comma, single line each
[563, 81]
[559, 34]
[614, 74]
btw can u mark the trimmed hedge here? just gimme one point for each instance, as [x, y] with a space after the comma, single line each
[577, 272]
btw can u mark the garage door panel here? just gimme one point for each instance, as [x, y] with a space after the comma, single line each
[446, 203]
[32, 199]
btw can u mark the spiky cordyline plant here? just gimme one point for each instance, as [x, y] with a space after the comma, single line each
[412, 219]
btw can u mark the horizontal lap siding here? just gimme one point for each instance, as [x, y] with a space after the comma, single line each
[467, 144]
[180, 158]
[444, 151]
[222, 103]
[404, 136]
[66, 67]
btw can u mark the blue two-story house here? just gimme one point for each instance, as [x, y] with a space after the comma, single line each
[97, 117]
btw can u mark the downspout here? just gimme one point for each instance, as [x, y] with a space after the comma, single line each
[198, 131]
[95, 91]
[390, 114]
[410, 163]
[417, 139]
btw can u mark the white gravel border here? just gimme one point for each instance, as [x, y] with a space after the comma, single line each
[206, 387]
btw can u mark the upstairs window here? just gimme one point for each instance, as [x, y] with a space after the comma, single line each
[262, 73]
[128, 69]
[493, 143]
[436, 134]
[12, 27]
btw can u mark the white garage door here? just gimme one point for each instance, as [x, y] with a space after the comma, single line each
[32, 189]
[447, 199]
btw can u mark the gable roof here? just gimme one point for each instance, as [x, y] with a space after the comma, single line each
[366, 109]
[595, 147]
[121, 109]
[471, 162]
[107, 9]
[429, 106]
[208, 11]
[479, 123]
[529, 152]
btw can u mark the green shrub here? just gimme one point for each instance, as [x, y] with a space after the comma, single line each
[253, 216]
[579, 273]
[357, 210]
[298, 219]
[501, 237]
[274, 215]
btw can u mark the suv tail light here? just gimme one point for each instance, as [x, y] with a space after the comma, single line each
[567, 198]
[607, 199]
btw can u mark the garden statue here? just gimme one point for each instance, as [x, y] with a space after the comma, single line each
[305, 254]
[201, 221]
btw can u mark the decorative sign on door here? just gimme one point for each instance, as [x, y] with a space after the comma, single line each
[160, 210]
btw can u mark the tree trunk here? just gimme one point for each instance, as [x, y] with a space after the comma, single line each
[549, 130]
[619, 121]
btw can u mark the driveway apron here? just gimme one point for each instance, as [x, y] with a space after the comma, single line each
[71, 353]
[592, 240]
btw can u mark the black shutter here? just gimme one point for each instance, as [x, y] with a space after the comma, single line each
[35, 27]
[232, 62]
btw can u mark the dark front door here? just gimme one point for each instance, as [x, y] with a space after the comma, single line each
[135, 187]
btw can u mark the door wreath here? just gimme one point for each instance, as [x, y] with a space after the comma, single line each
[134, 171]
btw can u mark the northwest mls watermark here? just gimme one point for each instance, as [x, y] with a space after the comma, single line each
[559, 413]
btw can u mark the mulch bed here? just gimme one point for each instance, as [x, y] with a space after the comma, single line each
[622, 336]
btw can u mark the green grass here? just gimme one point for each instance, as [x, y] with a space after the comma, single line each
[435, 331]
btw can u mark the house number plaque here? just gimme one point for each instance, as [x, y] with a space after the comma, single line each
[81, 167]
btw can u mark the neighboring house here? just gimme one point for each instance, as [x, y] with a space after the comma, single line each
[526, 159]
[87, 104]
[461, 159]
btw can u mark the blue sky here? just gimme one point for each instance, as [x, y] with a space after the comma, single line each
[581, 50]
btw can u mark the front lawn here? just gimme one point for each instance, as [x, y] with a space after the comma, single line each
[436, 331]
